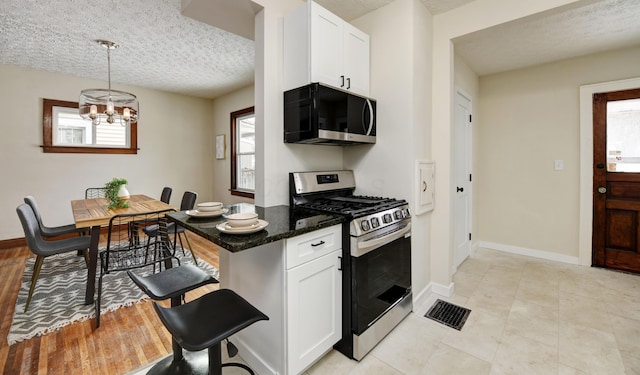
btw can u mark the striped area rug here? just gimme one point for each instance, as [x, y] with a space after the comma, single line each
[58, 299]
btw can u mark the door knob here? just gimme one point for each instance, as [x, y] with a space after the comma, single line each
[459, 189]
[602, 190]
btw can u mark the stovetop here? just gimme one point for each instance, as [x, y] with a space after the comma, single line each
[332, 192]
[354, 206]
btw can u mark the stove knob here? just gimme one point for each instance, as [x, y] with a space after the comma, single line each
[375, 222]
[387, 218]
[398, 215]
[407, 213]
[364, 224]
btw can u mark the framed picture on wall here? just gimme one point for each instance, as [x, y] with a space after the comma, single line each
[220, 146]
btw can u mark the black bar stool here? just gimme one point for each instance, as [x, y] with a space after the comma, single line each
[206, 321]
[173, 283]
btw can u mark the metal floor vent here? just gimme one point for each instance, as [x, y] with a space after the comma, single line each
[448, 314]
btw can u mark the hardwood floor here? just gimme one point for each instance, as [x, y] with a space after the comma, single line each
[127, 339]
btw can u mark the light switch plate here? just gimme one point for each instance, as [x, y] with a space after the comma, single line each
[558, 165]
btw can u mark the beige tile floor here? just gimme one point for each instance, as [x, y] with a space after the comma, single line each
[529, 316]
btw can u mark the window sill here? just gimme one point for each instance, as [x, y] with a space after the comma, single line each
[241, 193]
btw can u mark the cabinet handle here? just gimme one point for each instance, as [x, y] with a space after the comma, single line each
[340, 262]
[317, 244]
[342, 78]
[348, 83]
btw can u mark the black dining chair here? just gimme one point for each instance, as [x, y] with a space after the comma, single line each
[42, 248]
[49, 232]
[166, 194]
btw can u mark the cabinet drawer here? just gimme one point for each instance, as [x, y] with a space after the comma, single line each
[309, 246]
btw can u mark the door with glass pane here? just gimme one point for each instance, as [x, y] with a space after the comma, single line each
[616, 180]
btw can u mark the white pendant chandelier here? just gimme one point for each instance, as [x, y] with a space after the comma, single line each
[109, 105]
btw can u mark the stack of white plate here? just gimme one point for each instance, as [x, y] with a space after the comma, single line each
[242, 223]
[208, 209]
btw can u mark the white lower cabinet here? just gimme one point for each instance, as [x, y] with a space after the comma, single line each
[297, 283]
[314, 301]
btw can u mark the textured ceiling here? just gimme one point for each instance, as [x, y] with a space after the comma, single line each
[159, 48]
[551, 36]
[164, 50]
[352, 9]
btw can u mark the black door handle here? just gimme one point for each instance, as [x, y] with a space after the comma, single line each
[599, 165]
[459, 189]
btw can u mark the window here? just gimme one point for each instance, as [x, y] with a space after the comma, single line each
[64, 131]
[243, 153]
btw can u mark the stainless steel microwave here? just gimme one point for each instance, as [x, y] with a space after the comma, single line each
[318, 114]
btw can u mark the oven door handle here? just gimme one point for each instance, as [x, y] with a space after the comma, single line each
[363, 247]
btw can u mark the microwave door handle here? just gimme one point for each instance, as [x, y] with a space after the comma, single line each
[368, 104]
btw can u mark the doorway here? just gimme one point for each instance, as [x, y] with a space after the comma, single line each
[616, 180]
[462, 177]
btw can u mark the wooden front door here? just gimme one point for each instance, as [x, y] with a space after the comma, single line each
[616, 180]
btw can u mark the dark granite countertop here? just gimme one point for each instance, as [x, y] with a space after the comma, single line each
[284, 222]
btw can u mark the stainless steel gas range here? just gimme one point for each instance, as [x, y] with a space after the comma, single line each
[376, 288]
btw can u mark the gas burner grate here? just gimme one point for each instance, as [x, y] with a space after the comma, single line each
[448, 314]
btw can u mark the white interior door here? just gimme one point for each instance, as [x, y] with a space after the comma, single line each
[463, 178]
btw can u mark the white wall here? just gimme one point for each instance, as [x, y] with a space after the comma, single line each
[222, 108]
[401, 83]
[529, 118]
[175, 138]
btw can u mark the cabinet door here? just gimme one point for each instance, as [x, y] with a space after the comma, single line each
[326, 47]
[356, 60]
[314, 323]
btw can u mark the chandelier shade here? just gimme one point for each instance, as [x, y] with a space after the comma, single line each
[108, 105]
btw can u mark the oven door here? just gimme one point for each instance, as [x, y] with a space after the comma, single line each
[381, 276]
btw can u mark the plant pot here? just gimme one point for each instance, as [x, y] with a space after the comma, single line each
[123, 193]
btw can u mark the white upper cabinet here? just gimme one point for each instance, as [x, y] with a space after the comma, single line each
[321, 47]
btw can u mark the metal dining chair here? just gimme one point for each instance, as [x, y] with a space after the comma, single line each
[42, 248]
[92, 193]
[125, 251]
[49, 232]
[188, 203]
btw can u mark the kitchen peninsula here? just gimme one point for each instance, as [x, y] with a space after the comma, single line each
[291, 271]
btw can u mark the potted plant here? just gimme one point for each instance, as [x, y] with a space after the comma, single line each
[111, 193]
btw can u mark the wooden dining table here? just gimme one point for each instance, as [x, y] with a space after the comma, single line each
[95, 213]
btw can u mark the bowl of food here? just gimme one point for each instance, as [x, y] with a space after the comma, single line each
[242, 219]
[209, 206]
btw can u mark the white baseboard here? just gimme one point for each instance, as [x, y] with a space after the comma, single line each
[443, 290]
[530, 252]
[432, 288]
[252, 359]
[420, 298]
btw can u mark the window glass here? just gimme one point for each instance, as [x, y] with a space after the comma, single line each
[65, 131]
[243, 152]
[623, 136]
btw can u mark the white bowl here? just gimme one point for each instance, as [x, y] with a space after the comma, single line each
[242, 219]
[209, 206]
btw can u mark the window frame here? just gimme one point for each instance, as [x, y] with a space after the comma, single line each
[234, 155]
[47, 134]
